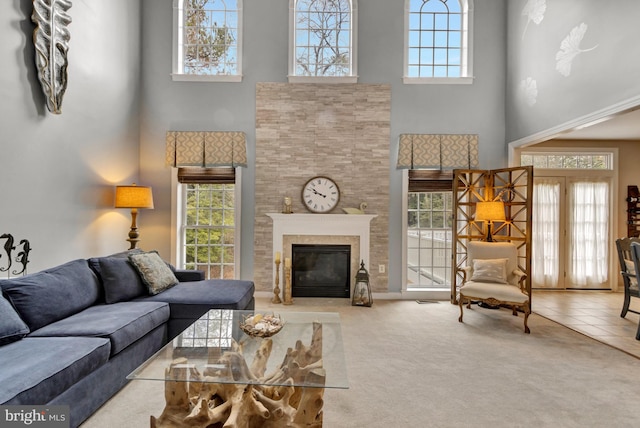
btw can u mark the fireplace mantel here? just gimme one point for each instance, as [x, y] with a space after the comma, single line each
[322, 225]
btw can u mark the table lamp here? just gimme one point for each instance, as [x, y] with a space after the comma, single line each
[490, 212]
[134, 197]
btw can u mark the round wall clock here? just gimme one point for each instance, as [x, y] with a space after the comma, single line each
[320, 194]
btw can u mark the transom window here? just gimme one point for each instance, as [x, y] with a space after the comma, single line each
[437, 40]
[562, 160]
[323, 39]
[207, 40]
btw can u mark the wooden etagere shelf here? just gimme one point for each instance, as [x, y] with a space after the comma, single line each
[633, 212]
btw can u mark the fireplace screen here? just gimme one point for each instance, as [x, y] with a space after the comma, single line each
[321, 270]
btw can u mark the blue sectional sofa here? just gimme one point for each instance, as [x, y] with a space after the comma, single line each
[71, 334]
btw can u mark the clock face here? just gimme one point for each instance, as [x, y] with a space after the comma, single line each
[320, 195]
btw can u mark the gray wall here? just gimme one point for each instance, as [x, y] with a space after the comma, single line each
[57, 171]
[166, 105]
[604, 73]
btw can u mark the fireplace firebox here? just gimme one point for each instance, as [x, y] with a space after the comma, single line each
[321, 270]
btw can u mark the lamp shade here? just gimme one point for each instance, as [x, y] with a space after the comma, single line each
[490, 211]
[133, 197]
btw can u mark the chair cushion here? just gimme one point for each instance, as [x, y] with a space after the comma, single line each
[122, 323]
[489, 270]
[12, 327]
[53, 294]
[488, 290]
[36, 370]
[155, 273]
[120, 280]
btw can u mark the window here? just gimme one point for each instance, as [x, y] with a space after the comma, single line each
[573, 204]
[438, 41]
[429, 230]
[207, 221]
[567, 160]
[322, 40]
[207, 40]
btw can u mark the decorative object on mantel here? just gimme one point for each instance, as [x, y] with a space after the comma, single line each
[287, 208]
[51, 42]
[362, 290]
[351, 210]
[276, 289]
[22, 257]
[320, 195]
[288, 300]
[134, 197]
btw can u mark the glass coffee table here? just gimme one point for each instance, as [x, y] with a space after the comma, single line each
[216, 373]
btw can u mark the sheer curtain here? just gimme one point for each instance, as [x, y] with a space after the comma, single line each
[589, 233]
[546, 232]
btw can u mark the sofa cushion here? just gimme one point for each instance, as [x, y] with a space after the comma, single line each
[94, 262]
[154, 271]
[122, 323]
[120, 280]
[12, 327]
[36, 370]
[53, 294]
[193, 299]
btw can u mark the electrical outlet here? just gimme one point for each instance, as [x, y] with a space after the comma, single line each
[380, 268]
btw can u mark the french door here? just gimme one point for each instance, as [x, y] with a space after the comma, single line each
[571, 233]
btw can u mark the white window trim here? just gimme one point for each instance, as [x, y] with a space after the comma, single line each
[466, 53]
[353, 78]
[177, 74]
[178, 218]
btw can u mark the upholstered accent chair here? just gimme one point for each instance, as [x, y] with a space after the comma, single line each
[628, 272]
[492, 276]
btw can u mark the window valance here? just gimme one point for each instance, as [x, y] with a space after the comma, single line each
[441, 151]
[206, 149]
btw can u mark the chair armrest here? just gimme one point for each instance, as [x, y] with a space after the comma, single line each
[188, 275]
[466, 271]
[521, 278]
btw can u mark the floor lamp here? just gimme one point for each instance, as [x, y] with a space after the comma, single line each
[490, 212]
[134, 197]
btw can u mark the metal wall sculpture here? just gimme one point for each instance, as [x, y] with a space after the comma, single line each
[51, 41]
[22, 258]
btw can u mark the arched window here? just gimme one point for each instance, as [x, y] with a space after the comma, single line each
[322, 40]
[207, 40]
[438, 41]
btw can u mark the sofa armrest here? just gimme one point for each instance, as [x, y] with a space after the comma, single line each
[188, 275]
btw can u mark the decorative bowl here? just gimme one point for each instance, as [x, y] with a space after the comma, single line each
[262, 325]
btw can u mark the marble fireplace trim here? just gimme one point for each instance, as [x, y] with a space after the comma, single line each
[342, 229]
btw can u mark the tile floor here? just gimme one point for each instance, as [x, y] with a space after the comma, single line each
[593, 313]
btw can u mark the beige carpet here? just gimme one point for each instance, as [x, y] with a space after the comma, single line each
[414, 365]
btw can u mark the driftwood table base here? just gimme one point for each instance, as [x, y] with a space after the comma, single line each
[254, 399]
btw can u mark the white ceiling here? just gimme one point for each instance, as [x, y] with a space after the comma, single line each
[624, 126]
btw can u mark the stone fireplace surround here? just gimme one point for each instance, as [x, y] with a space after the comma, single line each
[322, 229]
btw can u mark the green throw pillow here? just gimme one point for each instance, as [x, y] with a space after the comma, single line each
[155, 273]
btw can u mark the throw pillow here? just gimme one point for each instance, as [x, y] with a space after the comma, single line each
[154, 272]
[120, 280]
[12, 328]
[490, 270]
